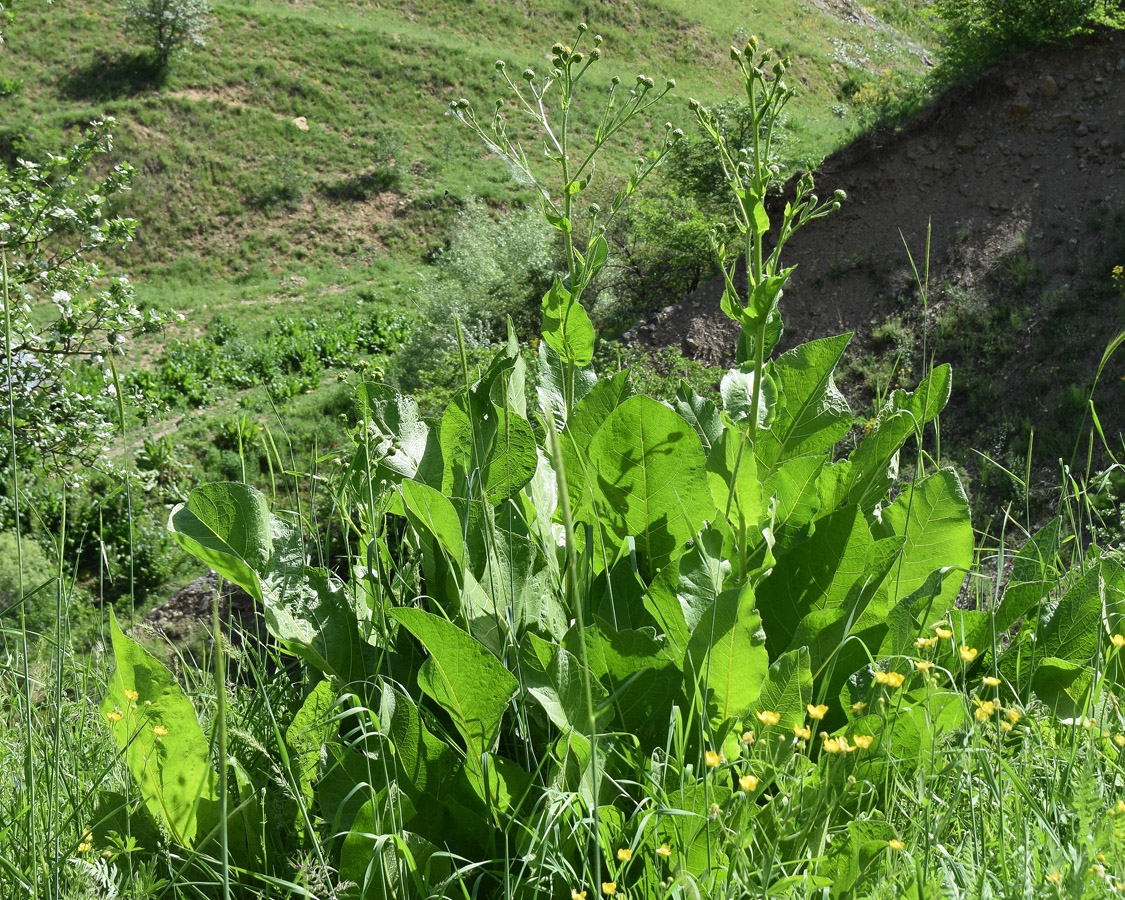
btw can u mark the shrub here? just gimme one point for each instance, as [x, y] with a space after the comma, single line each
[37, 572]
[168, 25]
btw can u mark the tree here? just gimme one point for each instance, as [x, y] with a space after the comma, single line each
[168, 25]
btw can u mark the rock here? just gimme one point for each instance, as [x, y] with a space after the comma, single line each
[965, 141]
[1048, 87]
[302, 123]
[1082, 130]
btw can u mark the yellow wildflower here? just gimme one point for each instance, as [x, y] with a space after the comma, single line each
[896, 844]
[923, 666]
[159, 731]
[114, 716]
[1120, 806]
[857, 708]
[991, 681]
[891, 679]
[986, 709]
[925, 643]
[1055, 878]
[1014, 715]
[609, 888]
[831, 745]
[944, 633]
[817, 712]
[1119, 739]
[131, 695]
[968, 654]
[769, 717]
[1097, 870]
[713, 759]
[664, 850]
[863, 741]
[748, 783]
[747, 738]
[87, 843]
[1005, 726]
[802, 732]
[577, 895]
[624, 854]
[1118, 641]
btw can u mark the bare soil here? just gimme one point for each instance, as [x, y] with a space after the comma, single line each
[1020, 181]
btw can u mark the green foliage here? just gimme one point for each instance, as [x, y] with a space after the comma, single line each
[977, 33]
[168, 26]
[26, 575]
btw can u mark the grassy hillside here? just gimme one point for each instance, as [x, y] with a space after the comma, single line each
[234, 199]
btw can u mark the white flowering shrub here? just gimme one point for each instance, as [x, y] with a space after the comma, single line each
[60, 315]
[168, 25]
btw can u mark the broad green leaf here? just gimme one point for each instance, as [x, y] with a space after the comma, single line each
[700, 413]
[788, 688]
[649, 479]
[166, 751]
[227, 526]
[737, 391]
[1070, 628]
[686, 588]
[423, 762]
[430, 511]
[382, 863]
[1064, 686]
[396, 440]
[726, 656]
[585, 420]
[812, 414]
[902, 416]
[555, 678]
[310, 730]
[732, 477]
[552, 387]
[793, 485]
[566, 327]
[495, 449]
[462, 677]
[932, 518]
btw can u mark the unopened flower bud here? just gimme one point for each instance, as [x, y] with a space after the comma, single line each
[752, 43]
[595, 53]
[615, 81]
[693, 104]
[670, 83]
[649, 82]
[556, 73]
[499, 65]
[597, 38]
[578, 57]
[735, 54]
[840, 196]
[595, 209]
[582, 28]
[778, 69]
[678, 133]
[528, 74]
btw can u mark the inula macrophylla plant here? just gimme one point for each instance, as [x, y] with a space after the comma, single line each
[611, 645]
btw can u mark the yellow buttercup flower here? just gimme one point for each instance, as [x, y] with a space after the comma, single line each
[944, 633]
[577, 895]
[968, 654]
[925, 643]
[664, 850]
[1118, 640]
[857, 708]
[891, 679]
[991, 681]
[1014, 715]
[1120, 808]
[87, 843]
[986, 709]
[923, 666]
[1005, 726]
[159, 731]
[802, 732]
[863, 741]
[817, 712]
[609, 888]
[713, 759]
[1055, 878]
[831, 745]
[131, 695]
[896, 844]
[114, 716]
[769, 717]
[624, 854]
[1119, 739]
[748, 783]
[747, 738]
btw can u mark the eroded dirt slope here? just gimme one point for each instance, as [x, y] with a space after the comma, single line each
[1021, 181]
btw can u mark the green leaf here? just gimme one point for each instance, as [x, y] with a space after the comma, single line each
[495, 447]
[732, 477]
[554, 677]
[793, 485]
[726, 656]
[310, 730]
[687, 587]
[788, 688]
[932, 517]
[463, 678]
[165, 749]
[566, 327]
[397, 444]
[737, 391]
[700, 413]
[423, 762]
[227, 526]
[431, 512]
[649, 479]
[812, 414]
[550, 389]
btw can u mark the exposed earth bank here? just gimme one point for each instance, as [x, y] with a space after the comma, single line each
[1020, 180]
